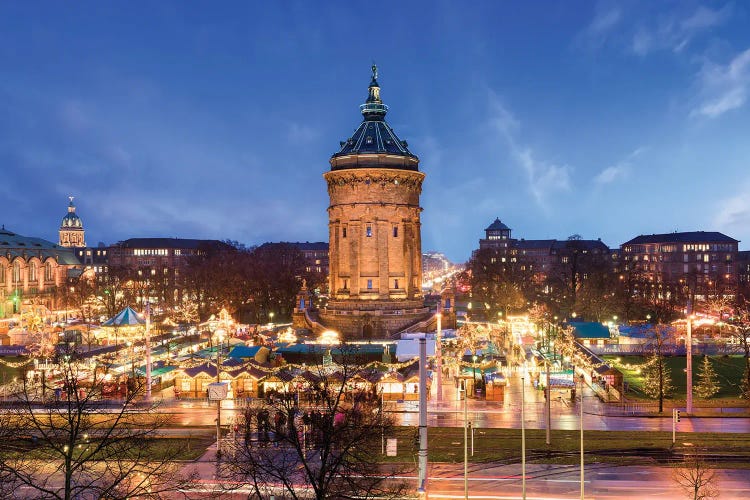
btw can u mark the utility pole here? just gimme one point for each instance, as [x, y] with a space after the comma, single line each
[439, 357]
[422, 414]
[523, 438]
[582, 475]
[466, 447]
[689, 353]
[548, 392]
[148, 351]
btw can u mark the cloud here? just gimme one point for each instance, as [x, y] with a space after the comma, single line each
[601, 26]
[620, 170]
[544, 178]
[723, 87]
[299, 132]
[734, 212]
[676, 30]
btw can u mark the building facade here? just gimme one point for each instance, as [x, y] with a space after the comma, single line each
[704, 262]
[157, 263]
[31, 270]
[375, 254]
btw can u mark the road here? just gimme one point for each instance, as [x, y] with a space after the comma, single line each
[490, 414]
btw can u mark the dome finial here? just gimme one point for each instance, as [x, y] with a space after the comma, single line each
[373, 108]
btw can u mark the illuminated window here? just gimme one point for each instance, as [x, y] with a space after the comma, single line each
[368, 231]
[369, 284]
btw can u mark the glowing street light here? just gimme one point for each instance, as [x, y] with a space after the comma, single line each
[329, 337]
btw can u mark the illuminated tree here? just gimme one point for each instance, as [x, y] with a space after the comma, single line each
[708, 384]
[657, 379]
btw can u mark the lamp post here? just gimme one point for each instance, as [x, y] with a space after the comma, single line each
[148, 351]
[689, 354]
[523, 438]
[219, 338]
[439, 358]
[582, 474]
[466, 447]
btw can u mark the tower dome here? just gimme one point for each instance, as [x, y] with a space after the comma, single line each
[71, 228]
[374, 143]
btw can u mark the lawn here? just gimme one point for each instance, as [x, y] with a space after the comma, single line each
[446, 444]
[728, 368]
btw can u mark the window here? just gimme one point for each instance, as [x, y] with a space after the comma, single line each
[346, 284]
[32, 271]
[368, 231]
[369, 284]
[49, 272]
[16, 272]
[395, 233]
[395, 284]
[343, 232]
[2, 273]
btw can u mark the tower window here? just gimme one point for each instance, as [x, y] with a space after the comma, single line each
[343, 232]
[369, 284]
[395, 284]
[395, 233]
[368, 231]
[346, 284]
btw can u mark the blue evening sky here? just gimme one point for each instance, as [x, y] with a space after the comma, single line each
[217, 119]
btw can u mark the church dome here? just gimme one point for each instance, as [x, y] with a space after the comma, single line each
[374, 135]
[71, 220]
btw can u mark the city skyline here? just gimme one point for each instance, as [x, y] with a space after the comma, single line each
[173, 121]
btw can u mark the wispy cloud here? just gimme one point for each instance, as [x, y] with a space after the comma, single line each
[723, 87]
[544, 178]
[601, 26]
[618, 171]
[734, 213]
[299, 132]
[675, 31]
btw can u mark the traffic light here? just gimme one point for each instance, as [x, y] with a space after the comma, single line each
[677, 415]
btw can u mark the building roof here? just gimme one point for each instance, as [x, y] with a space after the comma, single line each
[533, 244]
[182, 243]
[590, 245]
[497, 226]
[590, 330]
[243, 351]
[687, 237]
[15, 245]
[374, 135]
[319, 246]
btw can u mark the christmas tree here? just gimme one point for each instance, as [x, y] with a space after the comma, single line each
[657, 379]
[708, 383]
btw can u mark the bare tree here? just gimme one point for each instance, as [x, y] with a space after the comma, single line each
[68, 446]
[696, 479]
[328, 450]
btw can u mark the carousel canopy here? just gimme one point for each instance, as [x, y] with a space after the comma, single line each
[126, 317]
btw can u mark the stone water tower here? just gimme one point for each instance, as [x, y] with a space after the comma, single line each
[375, 246]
